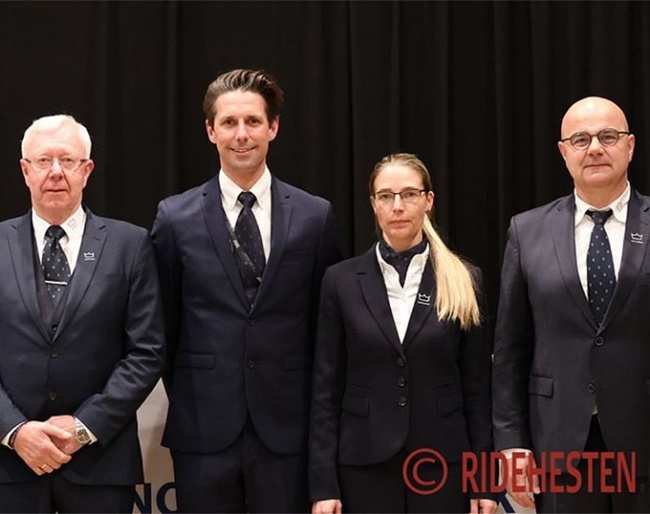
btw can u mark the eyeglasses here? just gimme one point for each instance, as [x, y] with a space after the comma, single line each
[606, 137]
[46, 163]
[408, 196]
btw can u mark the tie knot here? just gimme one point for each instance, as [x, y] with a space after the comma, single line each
[247, 199]
[599, 217]
[54, 231]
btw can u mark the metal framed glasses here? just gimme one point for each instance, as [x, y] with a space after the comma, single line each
[46, 163]
[408, 196]
[606, 137]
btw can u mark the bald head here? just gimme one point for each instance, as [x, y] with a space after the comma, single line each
[599, 170]
[592, 108]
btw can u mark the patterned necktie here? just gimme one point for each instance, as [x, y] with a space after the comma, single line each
[55, 264]
[248, 233]
[400, 260]
[601, 279]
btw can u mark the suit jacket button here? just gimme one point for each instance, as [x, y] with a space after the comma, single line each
[53, 396]
[54, 354]
[401, 401]
[591, 387]
[250, 364]
[54, 327]
[599, 341]
[401, 381]
[400, 362]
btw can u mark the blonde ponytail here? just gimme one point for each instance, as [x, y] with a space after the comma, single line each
[455, 287]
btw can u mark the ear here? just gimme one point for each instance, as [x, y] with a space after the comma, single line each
[372, 204]
[274, 126]
[430, 197]
[87, 169]
[631, 141]
[24, 167]
[210, 130]
[563, 149]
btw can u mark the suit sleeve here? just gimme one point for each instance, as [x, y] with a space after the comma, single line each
[169, 270]
[329, 252]
[329, 380]
[135, 375]
[475, 370]
[513, 347]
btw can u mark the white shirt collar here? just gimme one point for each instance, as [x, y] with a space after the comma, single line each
[618, 206]
[74, 225]
[261, 189]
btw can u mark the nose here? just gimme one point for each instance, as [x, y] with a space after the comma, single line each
[56, 167]
[242, 133]
[595, 145]
[398, 203]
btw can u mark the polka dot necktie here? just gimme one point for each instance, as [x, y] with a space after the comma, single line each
[55, 264]
[601, 279]
[248, 233]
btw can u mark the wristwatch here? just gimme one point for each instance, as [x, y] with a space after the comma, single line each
[80, 432]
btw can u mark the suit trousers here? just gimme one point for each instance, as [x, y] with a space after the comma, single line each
[53, 493]
[381, 488]
[594, 501]
[244, 477]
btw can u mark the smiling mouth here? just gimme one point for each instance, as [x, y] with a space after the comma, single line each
[241, 150]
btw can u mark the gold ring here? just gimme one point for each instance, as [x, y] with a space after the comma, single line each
[43, 466]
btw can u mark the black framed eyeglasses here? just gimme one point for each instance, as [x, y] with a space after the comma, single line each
[408, 196]
[606, 137]
[46, 163]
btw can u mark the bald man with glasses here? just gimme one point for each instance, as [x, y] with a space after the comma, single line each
[572, 342]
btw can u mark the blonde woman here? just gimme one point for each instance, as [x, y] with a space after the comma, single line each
[402, 363]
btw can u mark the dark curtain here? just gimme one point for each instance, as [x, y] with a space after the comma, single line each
[476, 89]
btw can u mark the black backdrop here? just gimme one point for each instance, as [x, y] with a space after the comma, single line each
[476, 89]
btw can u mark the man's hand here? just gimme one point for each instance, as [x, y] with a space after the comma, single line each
[327, 507]
[482, 506]
[68, 445]
[517, 483]
[34, 445]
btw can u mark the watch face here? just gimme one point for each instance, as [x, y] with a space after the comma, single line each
[82, 436]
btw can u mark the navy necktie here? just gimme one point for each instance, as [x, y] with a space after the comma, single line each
[601, 279]
[400, 260]
[248, 235]
[55, 264]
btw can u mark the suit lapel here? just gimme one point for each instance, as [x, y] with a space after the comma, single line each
[22, 255]
[215, 219]
[90, 253]
[280, 222]
[635, 242]
[562, 227]
[424, 304]
[373, 290]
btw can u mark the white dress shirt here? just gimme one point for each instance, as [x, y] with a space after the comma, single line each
[402, 299]
[261, 210]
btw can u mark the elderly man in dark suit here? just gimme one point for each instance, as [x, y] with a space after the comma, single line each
[82, 337]
[572, 353]
[241, 259]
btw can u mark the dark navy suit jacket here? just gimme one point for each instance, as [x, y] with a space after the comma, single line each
[227, 361]
[106, 354]
[552, 363]
[374, 396]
